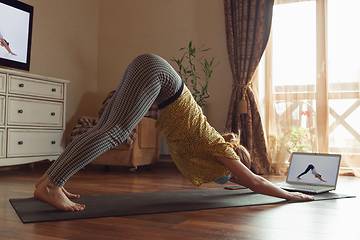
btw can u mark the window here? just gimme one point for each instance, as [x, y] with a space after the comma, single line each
[312, 68]
[344, 75]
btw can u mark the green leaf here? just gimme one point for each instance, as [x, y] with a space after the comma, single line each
[198, 83]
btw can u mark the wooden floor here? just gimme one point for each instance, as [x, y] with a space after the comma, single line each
[331, 219]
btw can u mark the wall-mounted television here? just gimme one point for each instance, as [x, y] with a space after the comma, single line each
[16, 20]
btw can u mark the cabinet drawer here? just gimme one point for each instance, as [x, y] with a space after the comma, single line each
[28, 86]
[2, 142]
[30, 142]
[34, 112]
[2, 82]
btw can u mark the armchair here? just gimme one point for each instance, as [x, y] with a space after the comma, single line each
[141, 148]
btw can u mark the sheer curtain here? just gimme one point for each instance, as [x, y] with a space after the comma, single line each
[312, 78]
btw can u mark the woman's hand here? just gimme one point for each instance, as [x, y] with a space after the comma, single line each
[297, 196]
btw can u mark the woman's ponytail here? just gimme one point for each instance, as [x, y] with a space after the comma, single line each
[240, 150]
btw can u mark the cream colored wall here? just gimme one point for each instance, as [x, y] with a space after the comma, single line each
[128, 28]
[91, 42]
[65, 45]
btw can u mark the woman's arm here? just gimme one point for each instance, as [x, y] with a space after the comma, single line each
[7, 46]
[319, 177]
[259, 184]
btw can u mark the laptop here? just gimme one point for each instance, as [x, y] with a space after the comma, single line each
[312, 172]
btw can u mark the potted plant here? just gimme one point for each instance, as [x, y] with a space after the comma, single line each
[295, 140]
[188, 71]
[281, 146]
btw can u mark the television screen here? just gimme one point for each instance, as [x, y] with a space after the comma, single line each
[16, 20]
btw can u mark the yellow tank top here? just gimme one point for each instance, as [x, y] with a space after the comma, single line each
[192, 142]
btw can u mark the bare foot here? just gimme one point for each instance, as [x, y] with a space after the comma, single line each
[56, 196]
[69, 195]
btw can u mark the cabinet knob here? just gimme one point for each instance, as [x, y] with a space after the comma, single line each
[21, 85]
[53, 114]
[53, 90]
[20, 142]
[20, 111]
[53, 142]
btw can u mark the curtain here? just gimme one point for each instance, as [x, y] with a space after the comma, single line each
[290, 99]
[248, 24]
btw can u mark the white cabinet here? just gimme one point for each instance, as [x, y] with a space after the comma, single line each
[31, 142]
[38, 88]
[33, 112]
[32, 117]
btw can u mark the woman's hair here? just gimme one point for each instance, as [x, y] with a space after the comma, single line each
[6, 42]
[240, 150]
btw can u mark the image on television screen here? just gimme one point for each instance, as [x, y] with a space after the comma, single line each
[15, 34]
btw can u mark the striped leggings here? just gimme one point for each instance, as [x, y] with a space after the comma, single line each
[148, 79]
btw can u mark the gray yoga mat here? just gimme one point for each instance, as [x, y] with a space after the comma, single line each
[32, 210]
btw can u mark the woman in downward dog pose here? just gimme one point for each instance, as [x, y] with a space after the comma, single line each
[200, 153]
[313, 171]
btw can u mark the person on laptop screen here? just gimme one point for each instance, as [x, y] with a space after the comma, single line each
[313, 171]
[5, 44]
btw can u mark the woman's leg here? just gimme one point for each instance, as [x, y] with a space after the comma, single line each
[305, 172]
[148, 78]
[136, 93]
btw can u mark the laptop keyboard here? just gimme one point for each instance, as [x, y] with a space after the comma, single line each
[304, 187]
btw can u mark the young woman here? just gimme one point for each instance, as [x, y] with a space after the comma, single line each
[313, 171]
[201, 154]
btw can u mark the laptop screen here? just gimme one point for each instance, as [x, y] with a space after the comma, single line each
[311, 168]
